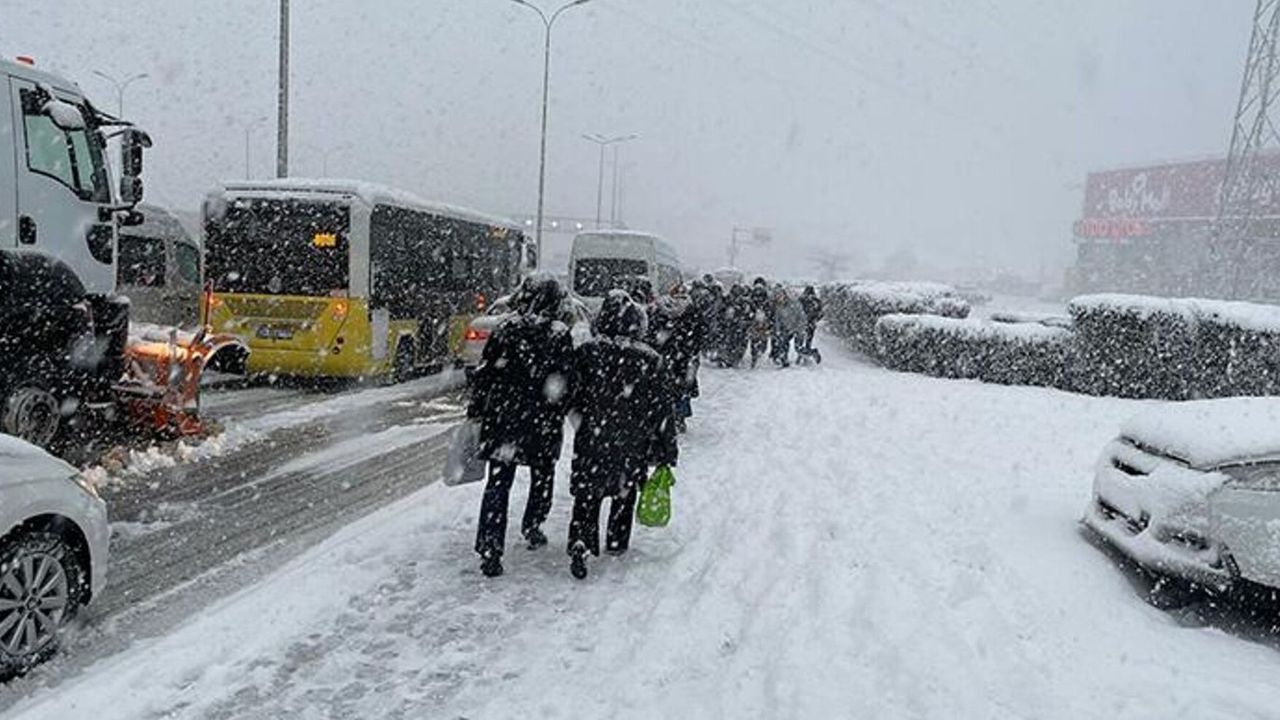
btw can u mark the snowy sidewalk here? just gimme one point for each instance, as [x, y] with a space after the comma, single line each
[848, 543]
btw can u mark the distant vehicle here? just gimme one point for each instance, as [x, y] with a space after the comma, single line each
[728, 277]
[159, 270]
[53, 551]
[603, 260]
[1192, 491]
[329, 278]
[574, 313]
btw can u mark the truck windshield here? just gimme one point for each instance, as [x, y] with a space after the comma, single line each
[595, 277]
[279, 247]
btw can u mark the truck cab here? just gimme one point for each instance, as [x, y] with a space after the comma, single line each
[59, 221]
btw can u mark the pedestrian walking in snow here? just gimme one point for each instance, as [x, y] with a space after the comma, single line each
[676, 332]
[761, 319]
[520, 395]
[812, 306]
[736, 320]
[622, 394]
[788, 324]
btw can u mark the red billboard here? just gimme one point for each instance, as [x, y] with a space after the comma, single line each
[1134, 201]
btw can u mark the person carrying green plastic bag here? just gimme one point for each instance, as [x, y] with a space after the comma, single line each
[654, 508]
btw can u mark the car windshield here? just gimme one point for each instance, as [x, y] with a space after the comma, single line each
[905, 357]
[595, 277]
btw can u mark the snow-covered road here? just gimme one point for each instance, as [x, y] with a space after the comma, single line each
[848, 543]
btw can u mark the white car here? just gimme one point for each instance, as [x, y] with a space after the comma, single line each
[1192, 490]
[481, 327]
[53, 551]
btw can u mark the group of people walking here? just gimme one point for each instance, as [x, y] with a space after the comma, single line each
[625, 386]
[762, 319]
[630, 388]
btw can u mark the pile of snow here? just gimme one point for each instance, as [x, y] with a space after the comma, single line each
[1191, 311]
[974, 329]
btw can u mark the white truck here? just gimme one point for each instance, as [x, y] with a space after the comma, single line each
[64, 332]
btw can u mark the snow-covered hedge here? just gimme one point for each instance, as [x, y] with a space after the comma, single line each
[852, 309]
[1010, 353]
[1176, 348]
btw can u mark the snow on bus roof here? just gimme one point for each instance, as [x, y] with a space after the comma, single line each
[369, 192]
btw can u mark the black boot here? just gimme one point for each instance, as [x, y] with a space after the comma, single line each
[578, 561]
[491, 565]
[536, 538]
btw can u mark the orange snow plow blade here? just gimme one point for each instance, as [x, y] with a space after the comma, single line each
[161, 388]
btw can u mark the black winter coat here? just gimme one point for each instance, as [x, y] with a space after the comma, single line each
[623, 392]
[812, 305]
[677, 332]
[520, 392]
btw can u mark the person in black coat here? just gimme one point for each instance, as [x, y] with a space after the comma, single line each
[762, 319]
[812, 305]
[677, 332]
[622, 394]
[520, 395]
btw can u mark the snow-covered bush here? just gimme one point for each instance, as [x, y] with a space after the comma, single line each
[1000, 352]
[1176, 348]
[853, 309]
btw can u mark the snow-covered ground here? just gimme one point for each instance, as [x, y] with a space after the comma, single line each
[848, 542]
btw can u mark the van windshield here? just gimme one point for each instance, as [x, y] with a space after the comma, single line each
[595, 277]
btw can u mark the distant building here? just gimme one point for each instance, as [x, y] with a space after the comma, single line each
[1149, 230]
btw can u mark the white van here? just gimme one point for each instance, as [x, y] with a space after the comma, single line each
[601, 260]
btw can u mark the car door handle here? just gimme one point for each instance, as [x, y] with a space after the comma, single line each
[26, 230]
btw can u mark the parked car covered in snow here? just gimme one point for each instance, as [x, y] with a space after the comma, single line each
[574, 313]
[1192, 490]
[53, 551]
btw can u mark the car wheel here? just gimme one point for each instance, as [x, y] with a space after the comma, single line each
[40, 590]
[402, 366]
[32, 414]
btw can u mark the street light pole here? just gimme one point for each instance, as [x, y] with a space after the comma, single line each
[546, 94]
[121, 85]
[604, 142]
[282, 98]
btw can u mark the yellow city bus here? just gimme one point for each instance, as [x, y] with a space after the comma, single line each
[326, 278]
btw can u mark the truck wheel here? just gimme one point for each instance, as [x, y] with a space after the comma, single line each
[32, 414]
[40, 581]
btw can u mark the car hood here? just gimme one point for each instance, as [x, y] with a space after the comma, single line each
[1208, 433]
[20, 461]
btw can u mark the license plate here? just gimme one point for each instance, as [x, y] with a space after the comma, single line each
[269, 332]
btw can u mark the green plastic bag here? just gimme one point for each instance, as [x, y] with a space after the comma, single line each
[654, 507]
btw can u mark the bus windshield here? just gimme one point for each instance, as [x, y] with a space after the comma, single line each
[595, 277]
[279, 247]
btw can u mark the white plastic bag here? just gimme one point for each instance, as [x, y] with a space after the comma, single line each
[463, 465]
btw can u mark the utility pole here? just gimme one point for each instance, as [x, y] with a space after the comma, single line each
[1246, 184]
[282, 102]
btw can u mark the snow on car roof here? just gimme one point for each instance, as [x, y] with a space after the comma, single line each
[371, 193]
[23, 461]
[1207, 433]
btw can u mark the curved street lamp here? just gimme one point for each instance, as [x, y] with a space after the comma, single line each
[548, 22]
[605, 142]
[120, 87]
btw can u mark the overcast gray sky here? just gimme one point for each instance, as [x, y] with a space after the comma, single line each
[959, 128]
